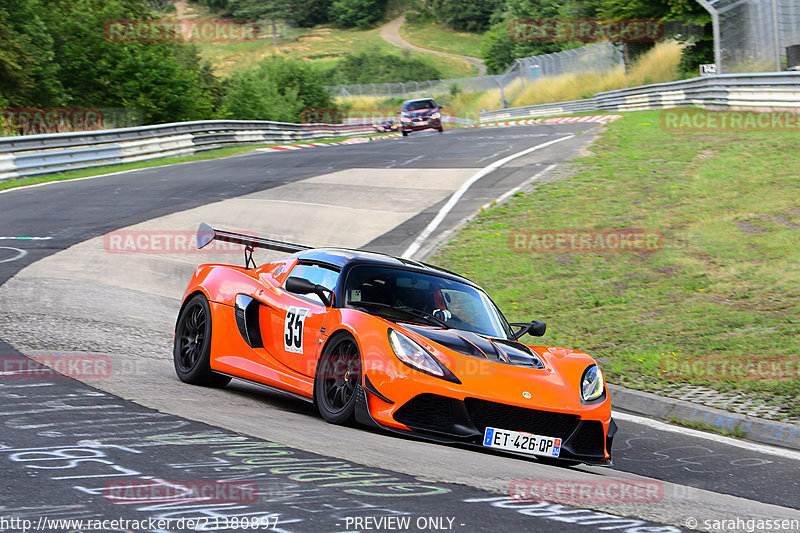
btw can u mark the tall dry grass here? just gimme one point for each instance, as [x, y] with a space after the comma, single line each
[658, 65]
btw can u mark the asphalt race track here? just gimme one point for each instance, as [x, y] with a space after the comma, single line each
[68, 448]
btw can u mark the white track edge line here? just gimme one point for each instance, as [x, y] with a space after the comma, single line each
[747, 445]
[443, 212]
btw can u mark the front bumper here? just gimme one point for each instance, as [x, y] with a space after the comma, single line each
[451, 421]
[419, 126]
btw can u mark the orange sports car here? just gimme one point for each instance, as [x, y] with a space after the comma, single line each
[390, 343]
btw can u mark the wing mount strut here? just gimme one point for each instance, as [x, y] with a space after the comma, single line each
[206, 234]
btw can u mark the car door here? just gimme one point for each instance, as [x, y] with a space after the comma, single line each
[296, 343]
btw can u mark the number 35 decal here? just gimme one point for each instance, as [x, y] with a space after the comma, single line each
[293, 329]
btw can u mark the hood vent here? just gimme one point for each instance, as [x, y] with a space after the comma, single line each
[469, 343]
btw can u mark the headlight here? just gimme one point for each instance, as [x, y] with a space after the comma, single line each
[414, 355]
[436, 115]
[405, 119]
[592, 384]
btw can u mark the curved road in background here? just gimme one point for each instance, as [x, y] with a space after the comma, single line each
[391, 34]
[71, 294]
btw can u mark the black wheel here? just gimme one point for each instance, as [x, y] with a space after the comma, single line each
[405, 133]
[337, 378]
[192, 350]
[440, 130]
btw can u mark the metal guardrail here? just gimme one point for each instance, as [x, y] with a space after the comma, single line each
[772, 90]
[33, 155]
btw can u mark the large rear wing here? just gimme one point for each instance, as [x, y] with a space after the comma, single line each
[206, 234]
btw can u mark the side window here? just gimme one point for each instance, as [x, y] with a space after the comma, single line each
[316, 274]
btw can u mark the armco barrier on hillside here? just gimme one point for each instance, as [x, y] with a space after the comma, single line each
[763, 91]
[33, 155]
[45, 154]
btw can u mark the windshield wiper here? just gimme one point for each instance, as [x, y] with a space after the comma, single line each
[406, 309]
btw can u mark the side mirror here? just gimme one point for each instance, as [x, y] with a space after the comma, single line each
[535, 328]
[303, 286]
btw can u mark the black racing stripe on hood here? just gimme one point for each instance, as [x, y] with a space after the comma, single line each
[474, 345]
[449, 339]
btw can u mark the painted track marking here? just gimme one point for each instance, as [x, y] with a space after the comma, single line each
[747, 445]
[20, 254]
[440, 216]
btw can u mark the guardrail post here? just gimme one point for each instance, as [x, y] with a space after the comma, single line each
[715, 27]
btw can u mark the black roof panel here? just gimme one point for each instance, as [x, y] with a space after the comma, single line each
[342, 257]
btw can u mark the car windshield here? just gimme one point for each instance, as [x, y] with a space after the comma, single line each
[419, 104]
[404, 295]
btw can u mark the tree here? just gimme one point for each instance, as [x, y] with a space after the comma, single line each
[54, 53]
[466, 15]
[685, 11]
[278, 89]
[357, 13]
[304, 13]
[160, 79]
[499, 48]
[30, 73]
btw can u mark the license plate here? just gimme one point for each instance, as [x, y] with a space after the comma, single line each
[517, 441]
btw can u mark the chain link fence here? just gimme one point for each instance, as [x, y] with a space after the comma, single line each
[754, 34]
[598, 57]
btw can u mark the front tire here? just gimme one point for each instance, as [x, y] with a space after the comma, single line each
[337, 378]
[191, 353]
[405, 133]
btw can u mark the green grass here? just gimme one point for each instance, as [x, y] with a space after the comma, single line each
[737, 431]
[122, 167]
[322, 46]
[439, 37]
[723, 291]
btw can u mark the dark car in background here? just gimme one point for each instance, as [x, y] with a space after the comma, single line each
[420, 114]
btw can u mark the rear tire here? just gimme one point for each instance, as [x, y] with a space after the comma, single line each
[337, 379]
[405, 133]
[440, 130]
[191, 353]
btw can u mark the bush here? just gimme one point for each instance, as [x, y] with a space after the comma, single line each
[278, 89]
[381, 68]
